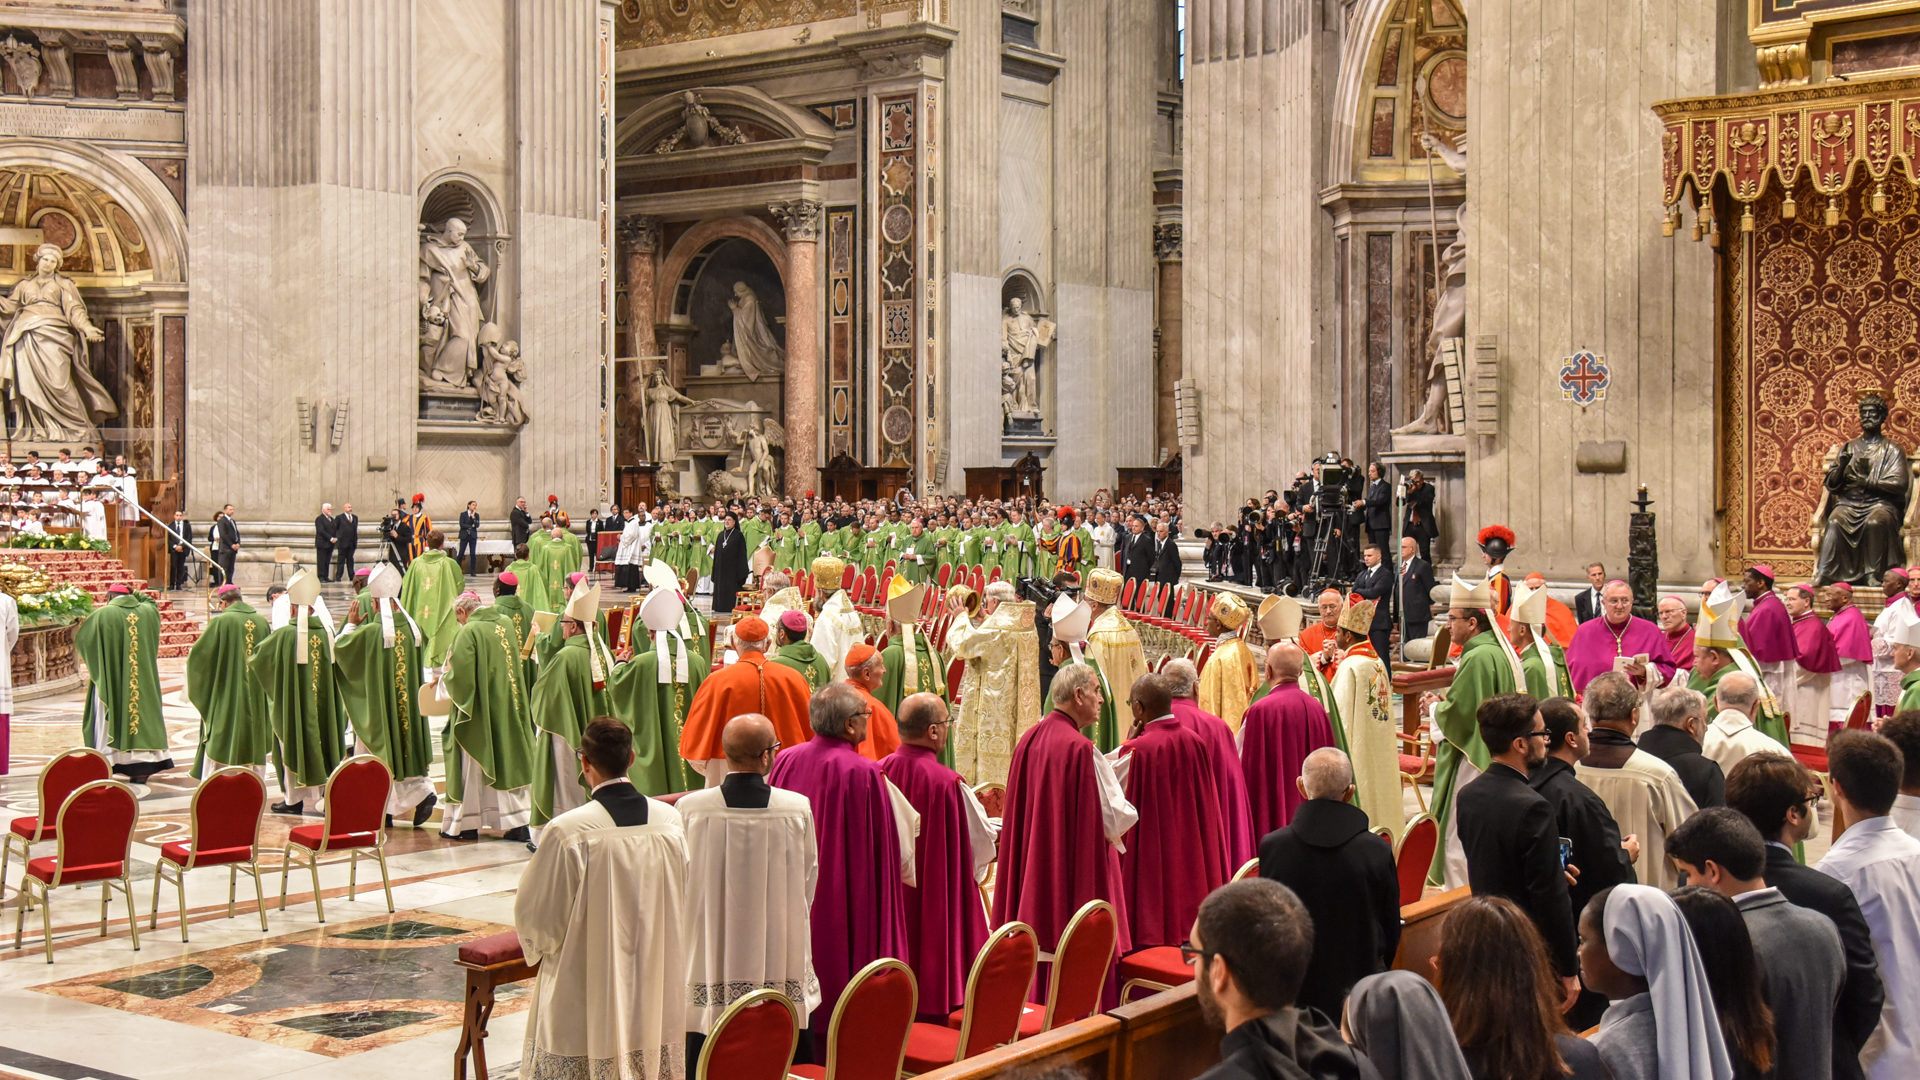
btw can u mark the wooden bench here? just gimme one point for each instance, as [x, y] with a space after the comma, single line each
[491, 962]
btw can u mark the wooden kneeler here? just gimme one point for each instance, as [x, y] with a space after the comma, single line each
[491, 962]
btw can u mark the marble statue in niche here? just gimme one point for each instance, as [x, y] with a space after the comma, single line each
[450, 275]
[51, 393]
[1449, 308]
[1022, 337]
[753, 341]
[663, 403]
[501, 373]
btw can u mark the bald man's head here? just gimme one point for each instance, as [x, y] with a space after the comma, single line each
[1326, 774]
[746, 740]
[1284, 661]
[1151, 696]
[918, 713]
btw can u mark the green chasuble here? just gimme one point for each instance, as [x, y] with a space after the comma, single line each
[120, 644]
[1046, 563]
[556, 561]
[1108, 733]
[1767, 719]
[802, 657]
[1088, 556]
[1016, 553]
[531, 591]
[1909, 692]
[302, 702]
[930, 673]
[944, 550]
[1482, 672]
[432, 584]
[917, 571]
[786, 548]
[809, 545]
[972, 546]
[703, 535]
[233, 709]
[1540, 683]
[755, 532]
[380, 688]
[490, 722]
[656, 712]
[514, 611]
[564, 702]
[873, 550]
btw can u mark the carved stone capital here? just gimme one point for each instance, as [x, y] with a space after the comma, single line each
[1166, 242]
[160, 60]
[640, 232]
[800, 219]
[126, 80]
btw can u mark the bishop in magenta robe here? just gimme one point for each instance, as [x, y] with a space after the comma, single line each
[1230, 784]
[1276, 735]
[1065, 819]
[1851, 634]
[946, 914]
[1177, 854]
[865, 830]
[1767, 629]
[1600, 641]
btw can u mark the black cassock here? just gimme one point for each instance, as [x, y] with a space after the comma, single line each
[729, 568]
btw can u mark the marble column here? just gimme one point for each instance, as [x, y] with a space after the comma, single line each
[801, 220]
[1166, 365]
[640, 244]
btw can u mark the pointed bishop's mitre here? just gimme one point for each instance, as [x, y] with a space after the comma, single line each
[303, 588]
[1280, 618]
[384, 582]
[904, 599]
[1718, 626]
[1071, 619]
[661, 610]
[584, 605]
[1906, 628]
[661, 576]
[1529, 605]
[1463, 594]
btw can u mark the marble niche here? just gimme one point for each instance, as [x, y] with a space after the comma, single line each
[470, 370]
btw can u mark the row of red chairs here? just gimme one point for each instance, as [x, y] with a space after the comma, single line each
[91, 818]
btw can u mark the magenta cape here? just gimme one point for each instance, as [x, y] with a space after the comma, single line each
[859, 906]
[1054, 854]
[1177, 854]
[1276, 735]
[1768, 630]
[1814, 648]
[1680, 647]
[946, 922]
[1230, 784]
[1851, 635]
[1594, 647]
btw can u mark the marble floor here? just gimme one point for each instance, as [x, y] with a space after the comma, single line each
[367, 993]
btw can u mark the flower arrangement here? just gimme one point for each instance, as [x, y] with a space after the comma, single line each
[41, 602]
[73, 541]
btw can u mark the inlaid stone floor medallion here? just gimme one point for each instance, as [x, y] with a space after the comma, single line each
[335, 990]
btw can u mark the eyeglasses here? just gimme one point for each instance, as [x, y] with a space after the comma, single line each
[1189, 952]
[771, 748]
[1541, 734]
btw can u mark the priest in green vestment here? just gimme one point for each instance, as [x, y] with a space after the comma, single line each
[651, 694]
[512, 608]
[1486, 669]
[527, 585]
[1718, 649]
[756, 530]
[433, 581]
[233, 708]
[488, 740]
[119, 642]
[809, 541]
[295, 668]
[1543, 662]
[1016, 548]
[378, 664]
[926, 673]
[570, 693]
[556, 558]
[918, 558]
[796, 652]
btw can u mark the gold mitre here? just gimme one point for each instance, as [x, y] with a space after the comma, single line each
[1357, 616]
[1463, 594]
[968, 598]
[904, 599]
[827, 573]
[1103, 586]
[1280, 618]
[1231, 611]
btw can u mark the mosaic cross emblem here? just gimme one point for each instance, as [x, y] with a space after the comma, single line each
[1584, 378]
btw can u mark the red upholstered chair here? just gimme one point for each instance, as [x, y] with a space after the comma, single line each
[1414, 857]
[1860, 716]
[1126, 593]
[867, 1039]
[1153, 969]
[1079, 970]
[491, 962]
[225, 814]
[996, 996]
[847, 576]
[94, 829]
[993, 575]
[356, 801]
[1416, 768]
[945, 575]
[993, 798]
[62, 777]
[752, 1040]
[1250, 868]
[954, 671]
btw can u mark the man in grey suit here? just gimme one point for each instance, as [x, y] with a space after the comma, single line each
[1801, 960]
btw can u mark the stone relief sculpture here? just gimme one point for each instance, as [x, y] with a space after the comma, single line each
[1449, 308]
[663, 417]
[754, 345]
[1021, 339]
[1867, 507]
[757, 445]
[450, 276]
[50, 391]
[698, 129]
[501, 373]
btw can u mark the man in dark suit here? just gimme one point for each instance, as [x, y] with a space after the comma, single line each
[1420, 523]
[346, 540]
[1679, 723]
[1586, 606]
[520, 521]
[1375, 582]
[1379, 506]
[226, 543]
[1510, 834]
[1413, 600]
[1778, 794]
[1166, 561]
[469, 536]
[323, 541]
[179, 535]
[1343, 874]
[1137, 552]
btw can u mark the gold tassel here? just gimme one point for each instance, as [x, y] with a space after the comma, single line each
[1788, 208]
[1746, 218]
[1880, 198]
[1833, 212]
[1668, 221]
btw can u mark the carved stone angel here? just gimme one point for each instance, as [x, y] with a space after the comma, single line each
[502, 372]
[757, 445]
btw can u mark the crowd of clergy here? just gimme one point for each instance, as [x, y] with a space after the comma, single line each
[1625, 809]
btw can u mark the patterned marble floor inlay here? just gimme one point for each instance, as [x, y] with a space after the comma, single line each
[332, 990]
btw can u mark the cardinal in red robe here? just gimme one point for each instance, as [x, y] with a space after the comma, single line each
[865, 672]
[1177, 854]
[1276, 735]
[749, 685]
[946, 913]
[865, 831]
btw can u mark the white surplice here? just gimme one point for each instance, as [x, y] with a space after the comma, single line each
[600, 911]
[750, 889]
[1647, 800]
